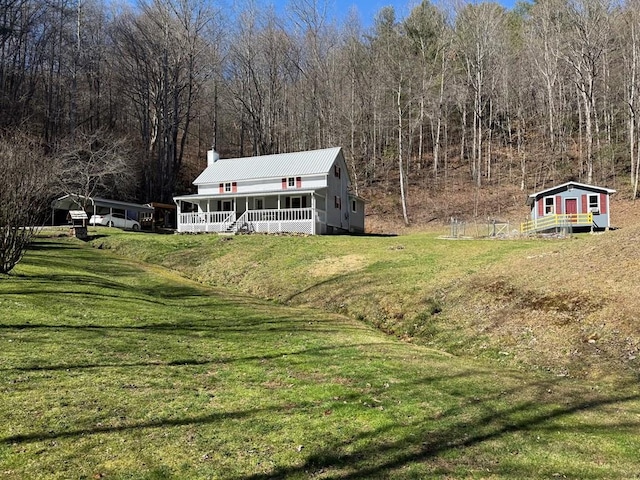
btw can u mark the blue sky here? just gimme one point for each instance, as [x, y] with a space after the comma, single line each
[366, 9]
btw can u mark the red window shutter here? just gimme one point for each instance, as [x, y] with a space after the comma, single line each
[234, 187]
[298, 182]
[222, 188]
[584, 204]
[558, 204]
[603, 203]
[541, 207]
[284, 183]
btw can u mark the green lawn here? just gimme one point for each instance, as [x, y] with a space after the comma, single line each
[116, 369]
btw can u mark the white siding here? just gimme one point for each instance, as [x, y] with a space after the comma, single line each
[266, 185]
[338, 187]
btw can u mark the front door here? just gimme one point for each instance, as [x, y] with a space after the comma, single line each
[571, 209]
[227, 205]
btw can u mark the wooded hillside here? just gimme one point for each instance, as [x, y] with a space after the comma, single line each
[455, 97]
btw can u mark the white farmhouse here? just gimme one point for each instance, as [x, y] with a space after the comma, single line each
[302, 192]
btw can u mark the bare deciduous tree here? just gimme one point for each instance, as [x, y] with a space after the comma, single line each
[27, 181]
[96, 163]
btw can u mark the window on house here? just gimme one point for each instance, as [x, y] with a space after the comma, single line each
[336, 171]
[594, 203]
[227, 187]
[337, 202]
[354, 206]
[291, 182]
[549, 206]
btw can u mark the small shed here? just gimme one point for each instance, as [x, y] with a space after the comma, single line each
[572, 204]
[162, 217]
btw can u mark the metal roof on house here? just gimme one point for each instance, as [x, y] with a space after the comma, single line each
[558, 188]
[280, 165]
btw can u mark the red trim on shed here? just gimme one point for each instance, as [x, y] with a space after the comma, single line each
[222, 188]
[603, 203]
[234, 187]
[585, 204]
[284, 183]
[541, 207]
[298, 182]
[558, 204]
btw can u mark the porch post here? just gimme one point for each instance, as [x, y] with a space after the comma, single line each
[313, 213]
[178, 216]
[207, 216]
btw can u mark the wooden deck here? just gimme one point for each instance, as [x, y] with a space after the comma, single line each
[557, 222]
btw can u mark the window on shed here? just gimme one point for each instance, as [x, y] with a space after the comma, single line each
[594, 203]
[549, 207]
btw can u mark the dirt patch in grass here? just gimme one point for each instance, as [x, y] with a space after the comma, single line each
[328, 267]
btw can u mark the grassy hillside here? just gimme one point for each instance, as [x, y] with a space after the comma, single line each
[114, 369]
[564, 305]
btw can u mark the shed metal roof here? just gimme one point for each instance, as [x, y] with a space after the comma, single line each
[558, 188]
[73, 201]
[280, 165]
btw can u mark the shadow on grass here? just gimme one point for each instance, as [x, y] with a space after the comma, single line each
[385, 451]
[425, 443]
[183, 362]
[372, 453]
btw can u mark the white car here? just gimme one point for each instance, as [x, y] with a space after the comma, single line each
[114, 220]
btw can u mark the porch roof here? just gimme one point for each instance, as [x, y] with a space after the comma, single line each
[219, 196]
[280, 165]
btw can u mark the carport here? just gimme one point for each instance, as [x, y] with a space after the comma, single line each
[97, 206]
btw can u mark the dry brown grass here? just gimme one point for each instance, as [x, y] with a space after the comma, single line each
[572, 308]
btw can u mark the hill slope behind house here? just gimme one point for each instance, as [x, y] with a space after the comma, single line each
[564, 305]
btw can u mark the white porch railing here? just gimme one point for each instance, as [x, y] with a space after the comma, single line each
[205, 221]
[295, 220]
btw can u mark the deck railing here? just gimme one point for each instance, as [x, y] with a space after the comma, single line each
[204, 221]
[302, 220]
[274, 215]
[549, 222]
